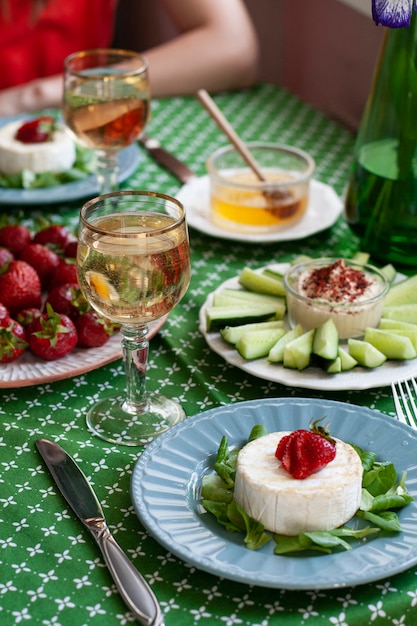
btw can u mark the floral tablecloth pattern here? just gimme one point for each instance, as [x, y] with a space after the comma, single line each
[51, 572]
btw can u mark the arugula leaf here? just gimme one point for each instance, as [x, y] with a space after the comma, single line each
[386, 520]
[324, 541]
[380, 478]
[255, 536]
[214, 488]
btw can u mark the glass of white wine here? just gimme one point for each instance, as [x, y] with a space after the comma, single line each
[106, 105]
[133, 264]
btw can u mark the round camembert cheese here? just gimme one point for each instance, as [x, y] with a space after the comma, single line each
[56, 155]
[289, 506]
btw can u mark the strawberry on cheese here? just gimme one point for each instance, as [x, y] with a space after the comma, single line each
[54, 153]
[285, 505]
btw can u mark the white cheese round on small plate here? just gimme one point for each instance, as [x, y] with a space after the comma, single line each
[56, 155]
[285, 505]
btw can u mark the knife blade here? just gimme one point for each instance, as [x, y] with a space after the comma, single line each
[79, 494]
[166, 159]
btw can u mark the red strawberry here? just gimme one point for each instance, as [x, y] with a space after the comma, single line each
[43, 259]
[12, 342]
[66, 272]
[26, 316]
[20, 287]
[51, 335]
[67, 299]
[71, 249]
[15, 237]
[93, 330]
[5, 318]
[304, 452]
[38, 130]
[5, 256]
[54, 235]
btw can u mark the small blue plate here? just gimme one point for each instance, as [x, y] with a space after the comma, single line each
[166, 482]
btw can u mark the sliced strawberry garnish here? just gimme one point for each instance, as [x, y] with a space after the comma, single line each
[304, 452]
[38, 130]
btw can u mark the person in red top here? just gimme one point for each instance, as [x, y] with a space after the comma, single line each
[216, 47]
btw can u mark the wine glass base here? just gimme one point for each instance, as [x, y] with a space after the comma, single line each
[110, 421]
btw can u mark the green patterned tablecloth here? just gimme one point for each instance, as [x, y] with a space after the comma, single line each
[51, 573]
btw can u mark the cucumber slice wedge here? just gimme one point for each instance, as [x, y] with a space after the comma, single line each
[232, 334]
[257, 343]
[394, 346]
[387, 324]
[403, 292]
[401, 312]
[346, 360]
[365, 353]
[218, 317]
[260, 283]
[230, 297]
[297, 353]
[326, 340]
[335, 366]
[276, 353]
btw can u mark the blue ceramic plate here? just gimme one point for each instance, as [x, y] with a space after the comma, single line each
[166, 482]
[128, 162]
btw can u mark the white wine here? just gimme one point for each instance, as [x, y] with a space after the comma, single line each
[134, 267]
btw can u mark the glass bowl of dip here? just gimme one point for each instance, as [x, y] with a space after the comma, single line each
[352, 294]
[239, 201]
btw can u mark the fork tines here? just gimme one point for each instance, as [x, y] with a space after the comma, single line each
[405, 400]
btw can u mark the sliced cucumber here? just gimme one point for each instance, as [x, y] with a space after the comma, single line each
[335, 366]
[232, 334]
[273, 274]
[387, 324]
[276, 353]
[406, 332]
[365, 353]
[249, 298]
[297, 353]
[394, 344]
[402, 312]
[403, 292]
[218, 317]
[389, 272]
[260, 283]
[361, 257]
[302, 258]
[256, 344]
[326, 340]
[346, 360]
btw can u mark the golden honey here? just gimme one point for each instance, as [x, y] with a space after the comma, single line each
[247, 204]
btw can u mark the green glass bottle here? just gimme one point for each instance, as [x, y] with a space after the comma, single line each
[381, 199]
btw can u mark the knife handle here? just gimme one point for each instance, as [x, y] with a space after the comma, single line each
[133, 588]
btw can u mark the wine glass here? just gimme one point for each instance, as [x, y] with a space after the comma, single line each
[106, 105]
[133, 265]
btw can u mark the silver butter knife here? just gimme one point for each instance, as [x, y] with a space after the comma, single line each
[79, 494]
[166, 159]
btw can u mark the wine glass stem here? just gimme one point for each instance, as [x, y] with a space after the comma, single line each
[107, 171]
[135, 355]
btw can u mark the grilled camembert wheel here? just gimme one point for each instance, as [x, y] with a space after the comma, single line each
[285, 505]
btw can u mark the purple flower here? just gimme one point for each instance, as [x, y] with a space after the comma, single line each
[393, 13]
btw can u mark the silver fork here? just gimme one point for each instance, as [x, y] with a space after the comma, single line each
[405, 400]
